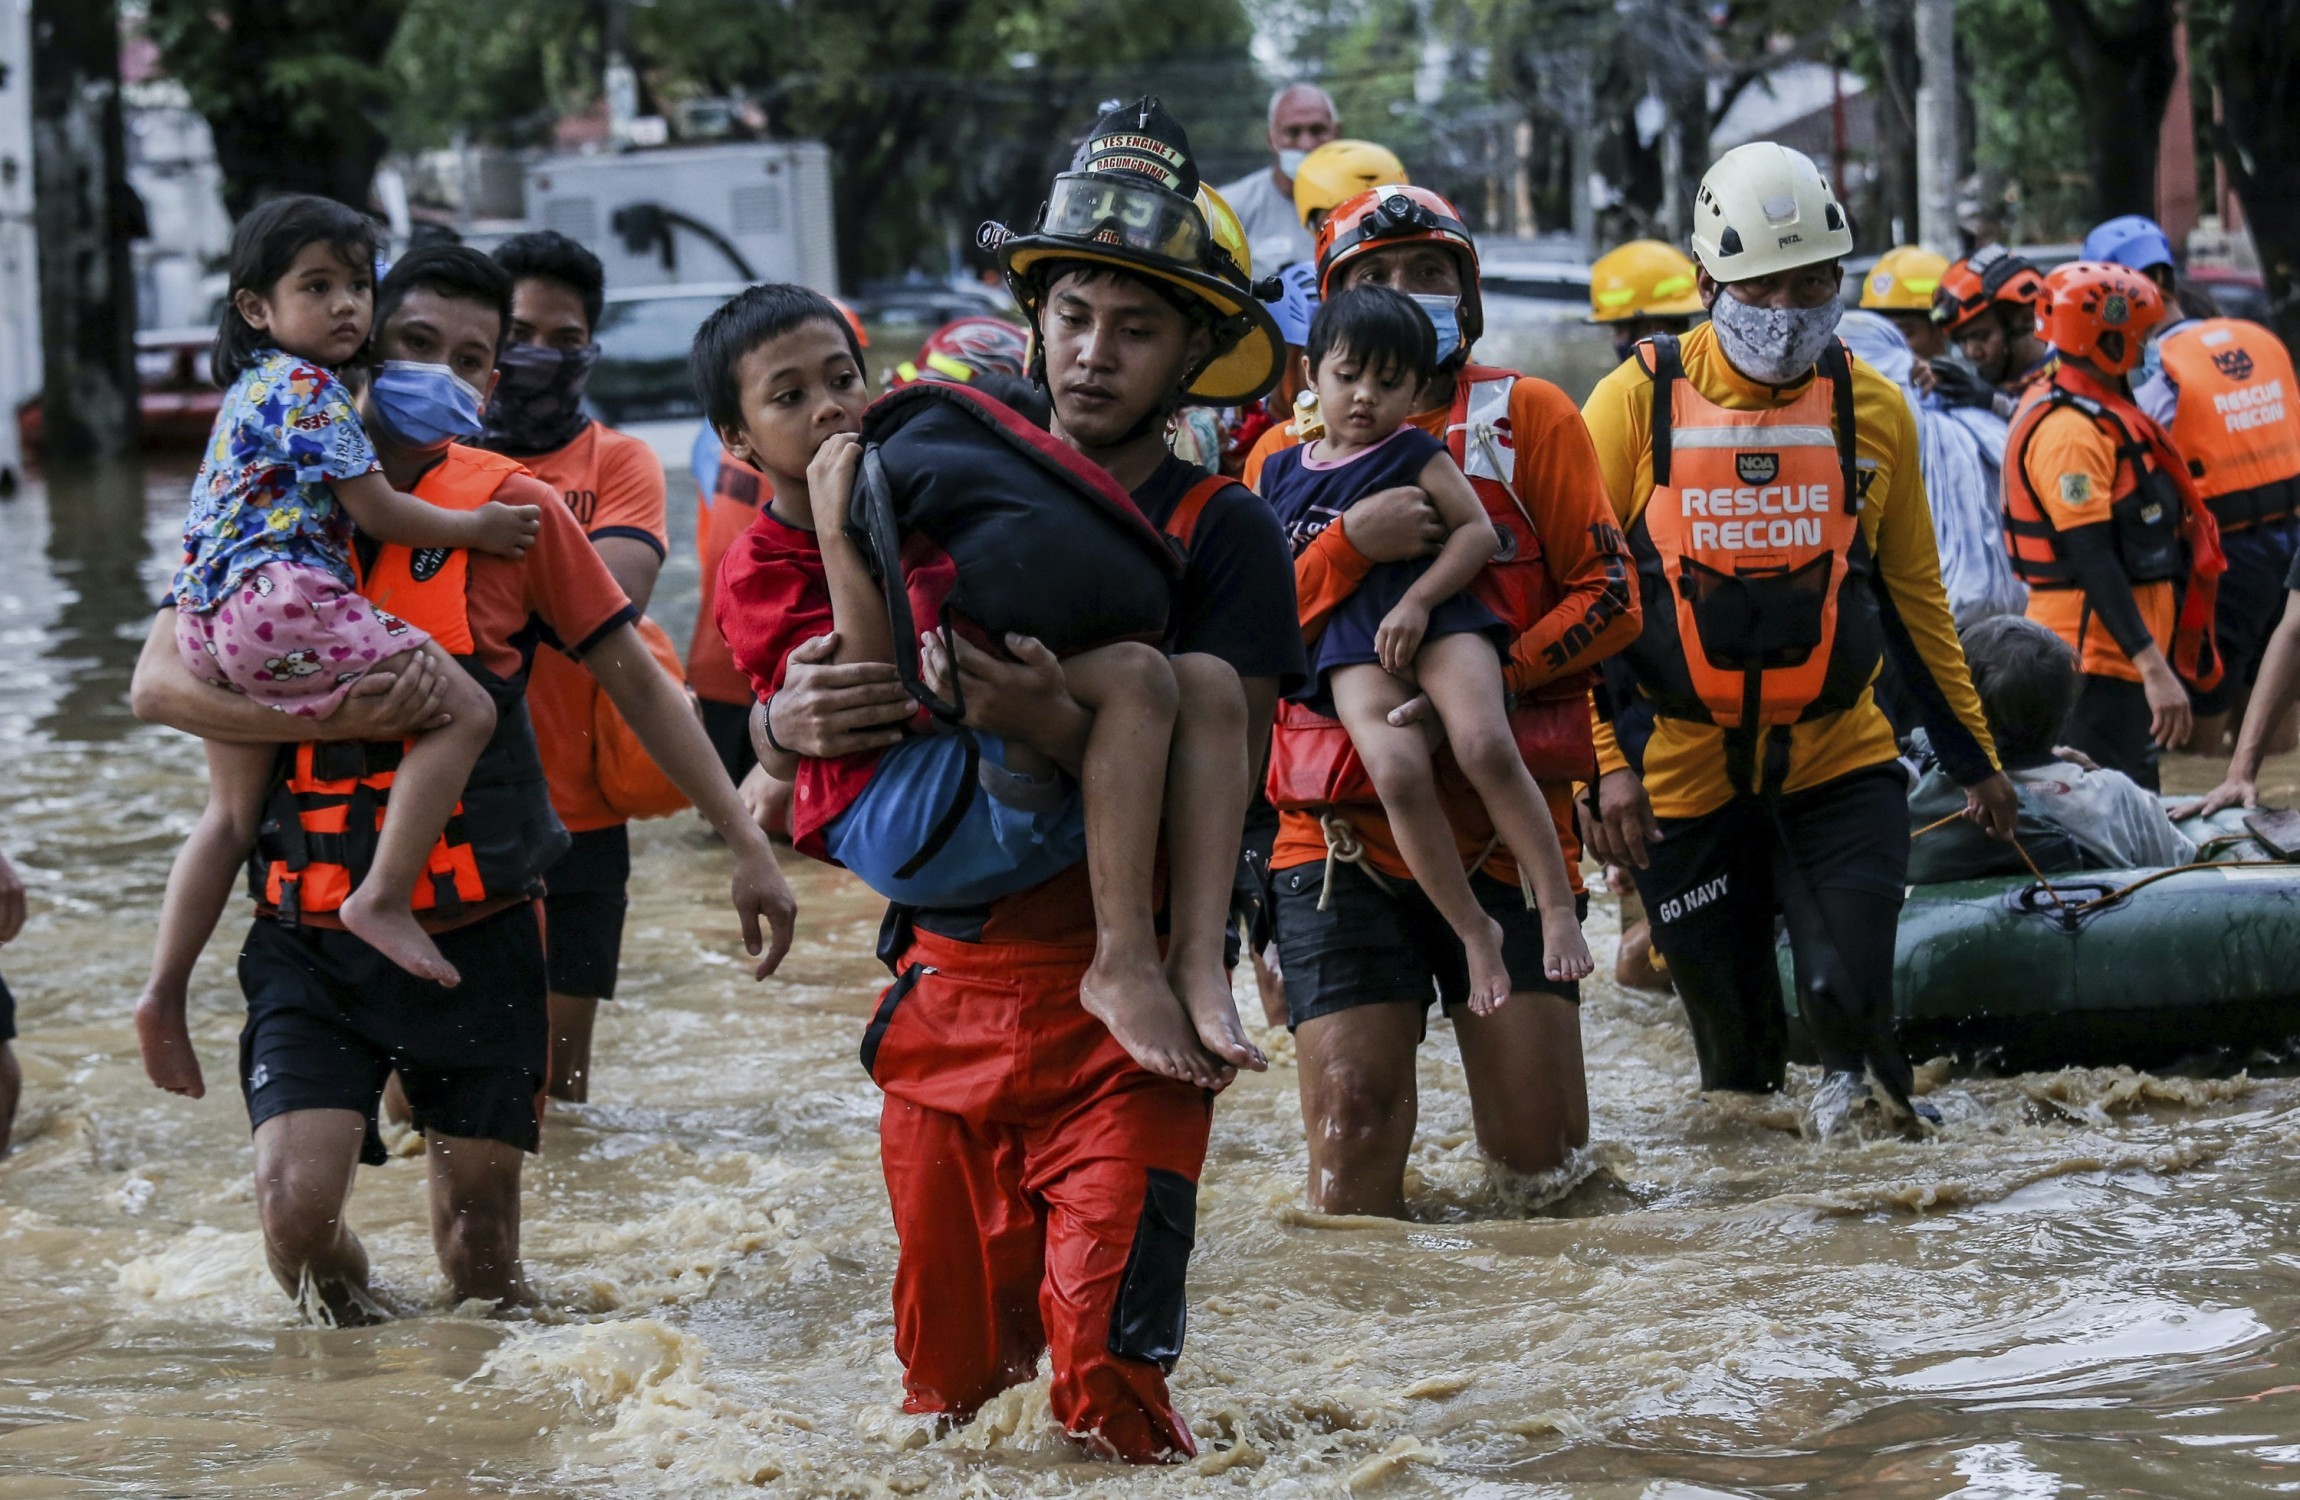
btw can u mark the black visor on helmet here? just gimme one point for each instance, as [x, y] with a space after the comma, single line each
[1104, 209]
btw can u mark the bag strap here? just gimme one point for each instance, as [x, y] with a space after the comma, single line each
[1837, 366]
[1668, 368]
[1182, 525]
[882, 546]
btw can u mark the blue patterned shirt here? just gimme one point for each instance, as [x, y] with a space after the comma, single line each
[262, 494]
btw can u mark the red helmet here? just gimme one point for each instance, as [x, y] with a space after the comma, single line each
[1397, 214]
[2092, 309]
[1973, 285]
[966, 347]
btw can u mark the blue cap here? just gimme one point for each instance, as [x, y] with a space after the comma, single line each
[2134, 241]
[1297, 303]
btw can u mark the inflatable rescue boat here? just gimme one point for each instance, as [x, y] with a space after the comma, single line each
[2102, 967]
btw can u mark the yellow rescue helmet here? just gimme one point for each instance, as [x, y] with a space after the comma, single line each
[1340, 170]
[1642, 279]
[1229, 235]
[1903, 280]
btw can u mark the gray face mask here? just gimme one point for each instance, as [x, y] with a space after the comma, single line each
[1775, 345]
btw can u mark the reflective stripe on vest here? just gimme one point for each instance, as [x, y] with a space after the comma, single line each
[2237, 424]
[1758, 611]
[321, 821]
[2144, 504]
[1516, 585]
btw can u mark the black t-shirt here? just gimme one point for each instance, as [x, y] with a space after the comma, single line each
[1236, 600]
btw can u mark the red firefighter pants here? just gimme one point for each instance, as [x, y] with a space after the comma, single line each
[1044, 1190]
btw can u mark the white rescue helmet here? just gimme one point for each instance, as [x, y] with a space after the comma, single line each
[1765, 208]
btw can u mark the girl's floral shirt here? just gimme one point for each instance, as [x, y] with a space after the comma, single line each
[262, 496]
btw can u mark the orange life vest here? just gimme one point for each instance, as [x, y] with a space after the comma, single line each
[2237, 426]
[1312, 762]
[1758, 584]
[325, 812]
[2163, 531]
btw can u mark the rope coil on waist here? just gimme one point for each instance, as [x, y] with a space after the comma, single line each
[1343, 846]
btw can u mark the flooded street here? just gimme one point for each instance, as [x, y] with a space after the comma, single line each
[2089, 1283]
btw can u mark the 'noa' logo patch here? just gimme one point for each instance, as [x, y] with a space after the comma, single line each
[427, 562]
[2233, 363]
[1757, 468]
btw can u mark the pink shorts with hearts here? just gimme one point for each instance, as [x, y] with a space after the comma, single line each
[292, 638]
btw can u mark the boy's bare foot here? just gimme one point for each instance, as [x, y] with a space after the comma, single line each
[1488, 971]
[1565, 952]
[390, 929]
[1134, 1001]
[1213, 1011]
[166, 1043]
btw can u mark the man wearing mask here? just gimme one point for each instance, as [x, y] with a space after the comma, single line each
[613, 485]
[1362, 950]
[1771, 491]
[1302, 119]
[329, 1019]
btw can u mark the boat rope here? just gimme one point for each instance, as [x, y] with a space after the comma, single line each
[2110, 898]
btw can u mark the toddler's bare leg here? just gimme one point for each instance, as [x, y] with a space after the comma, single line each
[199, 885]
[1398, 762]
[424, 792]
[1462, 675]
[1130, 689]
[1206, 795]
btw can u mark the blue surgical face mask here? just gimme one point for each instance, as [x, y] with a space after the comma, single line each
[423, 406]
[1445, 317]
[1290, 160]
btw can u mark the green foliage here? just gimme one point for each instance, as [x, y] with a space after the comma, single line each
[2028, 130]
[292, 89]
[939, 113]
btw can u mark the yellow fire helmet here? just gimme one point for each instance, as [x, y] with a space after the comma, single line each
[1903, 280]
[1642, 279]
[1340, 170]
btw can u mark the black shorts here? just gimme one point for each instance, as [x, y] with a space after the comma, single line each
[329, 1019]
[2261, 561]
[7, 1013]
[588, 894]
[1376, 947]
[729, 728]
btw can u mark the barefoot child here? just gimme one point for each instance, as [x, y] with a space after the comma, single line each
[265, 599]
[1411, 628]
[787, 395]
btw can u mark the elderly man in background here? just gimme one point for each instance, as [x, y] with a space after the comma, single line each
[1302, 119]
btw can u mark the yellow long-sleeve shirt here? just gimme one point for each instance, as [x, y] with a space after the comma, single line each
[1684, 769]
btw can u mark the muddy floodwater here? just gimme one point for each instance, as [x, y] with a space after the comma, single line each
[2088, 1284]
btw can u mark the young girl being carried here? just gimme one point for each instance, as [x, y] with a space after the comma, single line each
[1410, 628]
[266, 603]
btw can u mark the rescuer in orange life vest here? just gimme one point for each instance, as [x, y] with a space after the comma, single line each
[329, 1019]
[2119, 553]
[1771, 491]
[2224, 391]
[1363, 950]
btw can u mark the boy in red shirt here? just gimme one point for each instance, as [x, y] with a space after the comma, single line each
[886, 815]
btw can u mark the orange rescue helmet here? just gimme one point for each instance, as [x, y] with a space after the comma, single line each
[1991, 274]
[854, 320]
[1393, 214]
[2099, 311]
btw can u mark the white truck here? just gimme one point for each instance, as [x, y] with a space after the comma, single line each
[690, 215]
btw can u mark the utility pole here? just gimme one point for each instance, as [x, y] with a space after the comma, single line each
[1937, 156]
[81, 217]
